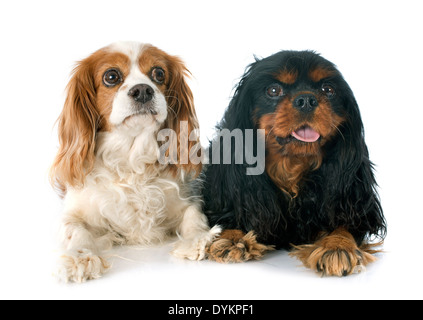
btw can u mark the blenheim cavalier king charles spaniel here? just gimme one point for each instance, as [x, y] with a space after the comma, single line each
[116, 191]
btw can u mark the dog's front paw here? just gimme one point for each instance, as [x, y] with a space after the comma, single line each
[81, 266]
[336, 254]
[195, 248]
[332, 262]
[235, 246]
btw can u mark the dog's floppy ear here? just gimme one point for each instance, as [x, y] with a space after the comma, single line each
[233, 198]
[181, 111]
[351, 182]
[240, 110]
[77, 126]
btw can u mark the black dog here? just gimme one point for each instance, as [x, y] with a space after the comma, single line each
[317, 193]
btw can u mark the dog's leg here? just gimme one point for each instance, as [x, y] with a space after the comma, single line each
[81, 260]
[194, 235]
[335, 254]
[236, 246]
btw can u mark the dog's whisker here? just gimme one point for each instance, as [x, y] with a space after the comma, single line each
[340, 132]
[267, 136]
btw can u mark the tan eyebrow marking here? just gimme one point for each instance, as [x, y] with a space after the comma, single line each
[319, 73]
[287, 76]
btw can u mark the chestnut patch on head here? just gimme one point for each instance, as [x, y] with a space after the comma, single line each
[109, 74]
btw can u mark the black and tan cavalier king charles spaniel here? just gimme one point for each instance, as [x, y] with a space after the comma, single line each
[317, 195]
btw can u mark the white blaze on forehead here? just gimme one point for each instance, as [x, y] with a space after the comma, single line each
[123, 104]
[130, 48]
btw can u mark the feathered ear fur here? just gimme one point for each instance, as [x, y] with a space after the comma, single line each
[351, 196]
[77, 127]
[232, 198]
[181, 110]
[239, 112]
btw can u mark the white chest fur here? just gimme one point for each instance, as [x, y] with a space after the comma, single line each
[125, 195]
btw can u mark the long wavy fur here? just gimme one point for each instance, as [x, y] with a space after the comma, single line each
[341, 192]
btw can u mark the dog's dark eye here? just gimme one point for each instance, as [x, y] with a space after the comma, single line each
[275, 90]
[158, 75]
[112, 77]
[328, 90]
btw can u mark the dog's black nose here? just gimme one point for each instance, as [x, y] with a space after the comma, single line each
[141, 93]
[305, 102]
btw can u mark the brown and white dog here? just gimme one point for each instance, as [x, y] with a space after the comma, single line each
[107, 168]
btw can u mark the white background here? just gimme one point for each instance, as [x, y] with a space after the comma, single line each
[375, 44]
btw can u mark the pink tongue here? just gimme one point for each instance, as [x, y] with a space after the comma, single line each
[306, 134]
